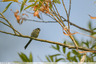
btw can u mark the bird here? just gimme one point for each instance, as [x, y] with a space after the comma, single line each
[35, 34]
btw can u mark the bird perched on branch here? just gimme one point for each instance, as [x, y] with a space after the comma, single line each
[34, 34]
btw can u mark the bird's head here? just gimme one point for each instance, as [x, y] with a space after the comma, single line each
[38, 29]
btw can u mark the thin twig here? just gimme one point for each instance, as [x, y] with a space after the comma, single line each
[7, 22]
[39, 21]
[10, 24]
[64, 7]
[69, 8]
[87, 35]
[49, 16]
[58, 14]
[4, 23]
[68, 15]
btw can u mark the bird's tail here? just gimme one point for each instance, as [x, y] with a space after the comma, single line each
[28, 43]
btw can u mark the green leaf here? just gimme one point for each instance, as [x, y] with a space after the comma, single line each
[23, 57]
[94, 29]
[59, 59]
[75, 52]
[64, 48]
[31, 1]
[54, 47]
[7, 7]
[90, 25]
[55, 55]
[93, 33]
[30, 57]
[37, 0]
[86, 43]
[9, 0]
[57, 1]
[79, 56]
[89, 59]
[55, 59]
[48, 59]
[94, 45]
[75, 58]
[22, 5]
[68, 55]
[50, 5]
[30, 6]
[51, 58]
[58, 48]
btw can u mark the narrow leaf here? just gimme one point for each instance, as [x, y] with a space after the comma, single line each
[48, 59]
[51, 58]
[55, 55]
[90, 25]
[75, 58]
[86, 43]
[22, 5]
[30, 6]
[7, 7]
[9, 0]
[58, 48]
[57, 1]
[31, 1]
[94, 45]
[64, 48]
[23, 57]
[68, 55]
[75, 52]
[94, 29]
[54, 47]
[30, 57]
[59, 59]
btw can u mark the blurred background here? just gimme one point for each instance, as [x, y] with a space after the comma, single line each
[10, 46]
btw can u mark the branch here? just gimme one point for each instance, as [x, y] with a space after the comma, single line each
[47, 41]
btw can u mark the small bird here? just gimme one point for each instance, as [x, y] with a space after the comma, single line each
[34, 34]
